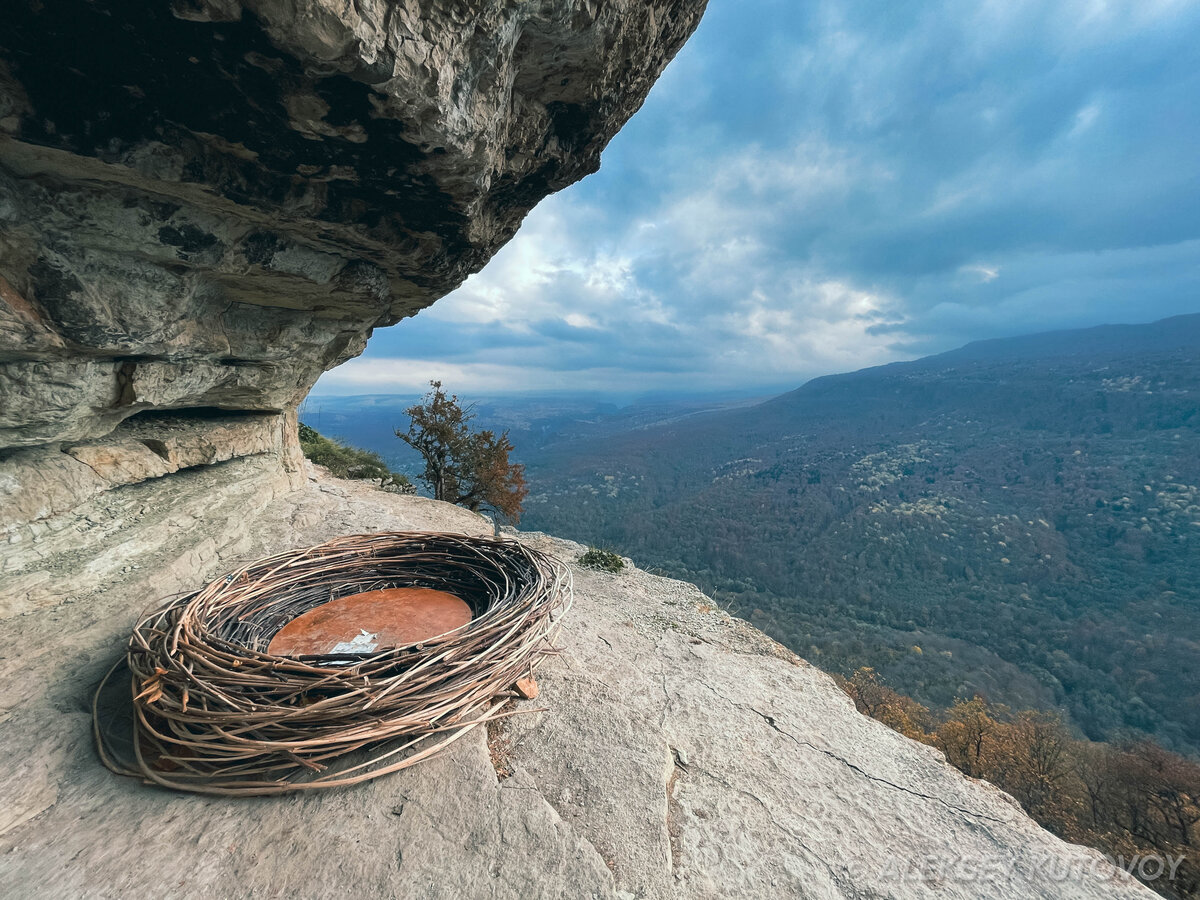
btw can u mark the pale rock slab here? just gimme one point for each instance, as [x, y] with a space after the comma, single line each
[683, 753]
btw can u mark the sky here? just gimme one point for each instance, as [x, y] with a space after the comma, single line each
[815, 187]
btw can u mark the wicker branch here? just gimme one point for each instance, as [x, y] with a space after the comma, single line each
[215, 713]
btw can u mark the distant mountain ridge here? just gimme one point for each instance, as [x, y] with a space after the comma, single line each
[1025, 511]
[534, 422]
[1173, 333]
[1165, 335]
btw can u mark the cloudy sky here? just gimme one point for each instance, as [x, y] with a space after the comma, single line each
[820, 186]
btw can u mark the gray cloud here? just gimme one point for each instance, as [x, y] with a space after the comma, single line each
[814, 189]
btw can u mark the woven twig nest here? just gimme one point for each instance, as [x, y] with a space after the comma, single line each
[215, 713]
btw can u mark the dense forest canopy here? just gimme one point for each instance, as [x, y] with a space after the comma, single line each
[1018, 520]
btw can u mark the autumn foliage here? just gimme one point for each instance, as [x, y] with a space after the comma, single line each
[469, 468]
[1127, 800]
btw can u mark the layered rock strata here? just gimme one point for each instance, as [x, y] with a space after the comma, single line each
[204, 204]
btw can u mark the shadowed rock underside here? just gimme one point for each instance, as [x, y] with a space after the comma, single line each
[204, 204]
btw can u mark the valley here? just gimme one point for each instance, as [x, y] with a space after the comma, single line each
[1018, 519]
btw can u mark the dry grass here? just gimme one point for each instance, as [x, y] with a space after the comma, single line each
[499, 743]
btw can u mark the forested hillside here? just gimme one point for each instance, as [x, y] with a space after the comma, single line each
[1018, 519]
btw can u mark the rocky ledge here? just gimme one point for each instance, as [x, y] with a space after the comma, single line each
[682, 752]
[207, 203]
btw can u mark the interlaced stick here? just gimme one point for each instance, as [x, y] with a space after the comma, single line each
[215, 713]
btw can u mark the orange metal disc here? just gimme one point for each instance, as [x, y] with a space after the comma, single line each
[375, 620]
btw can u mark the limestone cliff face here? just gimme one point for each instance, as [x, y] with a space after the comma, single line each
[204, 204]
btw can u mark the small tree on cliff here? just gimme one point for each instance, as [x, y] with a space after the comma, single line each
[470, 468]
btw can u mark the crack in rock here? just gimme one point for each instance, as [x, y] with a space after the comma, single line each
[775, 822]
[673, 822]
[770, 720]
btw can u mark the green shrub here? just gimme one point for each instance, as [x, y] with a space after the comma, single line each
[604, 560]
[344, 461]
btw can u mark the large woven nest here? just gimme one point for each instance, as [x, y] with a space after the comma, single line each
[215, 713]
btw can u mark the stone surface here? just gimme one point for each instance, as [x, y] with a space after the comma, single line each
[207, 203]
[527, 687]
[682, 753]
[43, 489]
[66, 529]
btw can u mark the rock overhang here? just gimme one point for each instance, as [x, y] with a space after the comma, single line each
[208, 203]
